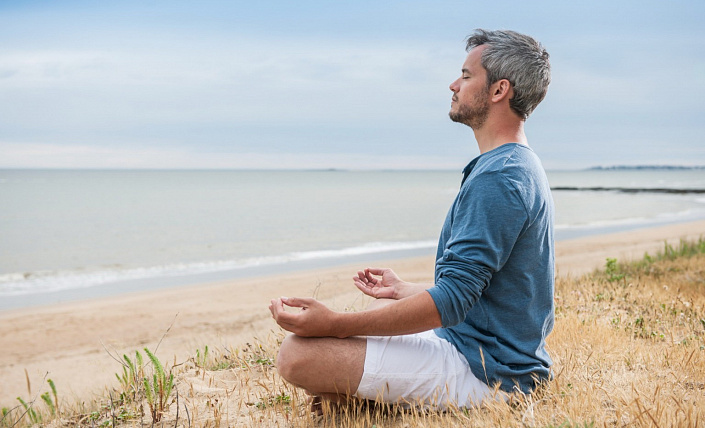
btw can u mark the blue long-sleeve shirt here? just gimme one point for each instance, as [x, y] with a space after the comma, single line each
[495, 269]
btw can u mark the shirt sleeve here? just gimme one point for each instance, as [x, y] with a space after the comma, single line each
[487, 221]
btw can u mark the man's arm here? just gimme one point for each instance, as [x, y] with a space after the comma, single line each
[489, 217]
[414, 314]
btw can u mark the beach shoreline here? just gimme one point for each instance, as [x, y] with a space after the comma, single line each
[69, 342]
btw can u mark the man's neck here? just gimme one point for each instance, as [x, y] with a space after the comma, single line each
[493, 134]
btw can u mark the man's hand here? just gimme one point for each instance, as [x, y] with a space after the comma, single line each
[314, 319]
[388, 286]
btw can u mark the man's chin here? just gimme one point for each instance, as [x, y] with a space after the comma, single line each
[455, 117]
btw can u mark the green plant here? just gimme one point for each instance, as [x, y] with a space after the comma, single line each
[212, 361]
[5, 416]
[53, 405]
[34, 417]
[263, 361]
[132, 374]
[47, 399]
[256, 355]
[201, 358]
[684, 249]
[613, 270]
[282, 398]
[221, 365]
[158, 389]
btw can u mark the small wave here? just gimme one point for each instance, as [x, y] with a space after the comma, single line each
[629, 221]
[10, 277]
[371, 248]
[15, 284]
[604, 223]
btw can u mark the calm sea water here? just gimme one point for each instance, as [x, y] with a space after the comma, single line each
[75, 234]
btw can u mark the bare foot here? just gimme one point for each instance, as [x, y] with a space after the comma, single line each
[318, 403]
[315, 403]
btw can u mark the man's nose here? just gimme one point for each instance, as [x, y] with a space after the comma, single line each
[454, 86]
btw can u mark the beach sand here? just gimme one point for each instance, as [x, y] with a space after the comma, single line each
[69, 342]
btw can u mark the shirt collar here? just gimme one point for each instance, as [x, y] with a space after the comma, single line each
[468, 169]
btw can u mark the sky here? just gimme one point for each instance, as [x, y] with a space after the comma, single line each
[322, 84]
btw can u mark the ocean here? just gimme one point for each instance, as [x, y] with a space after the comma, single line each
[75, 234]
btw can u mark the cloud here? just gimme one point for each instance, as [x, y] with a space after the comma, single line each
[234, 79]
[68, 92]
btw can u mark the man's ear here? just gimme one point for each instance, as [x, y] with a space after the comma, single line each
[502, 89]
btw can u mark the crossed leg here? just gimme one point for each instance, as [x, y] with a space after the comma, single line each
[437, 376]
[326, 367]
[323, 366]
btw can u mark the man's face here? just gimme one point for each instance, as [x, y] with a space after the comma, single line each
[470, 104]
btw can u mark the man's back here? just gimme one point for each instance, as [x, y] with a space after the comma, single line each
[494, 270]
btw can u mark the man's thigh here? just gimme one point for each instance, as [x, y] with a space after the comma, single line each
[323, 365]
[419, 370]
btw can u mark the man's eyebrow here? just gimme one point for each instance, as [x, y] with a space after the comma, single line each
[465, 70]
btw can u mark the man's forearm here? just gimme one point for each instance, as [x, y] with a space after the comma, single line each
[413, 314]
[411, 289]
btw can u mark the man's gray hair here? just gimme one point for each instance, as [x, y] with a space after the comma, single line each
[518, 58]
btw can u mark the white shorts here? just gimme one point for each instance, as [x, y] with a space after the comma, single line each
[420, 370]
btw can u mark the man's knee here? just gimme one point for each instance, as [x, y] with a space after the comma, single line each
[291, 358]
[322, 364]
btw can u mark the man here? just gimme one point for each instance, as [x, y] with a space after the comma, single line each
[492, 302]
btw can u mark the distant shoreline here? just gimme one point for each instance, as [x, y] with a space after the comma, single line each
[630, 189]
[644, 167]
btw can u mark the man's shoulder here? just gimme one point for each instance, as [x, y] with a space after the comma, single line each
[516, 169]
[513, 162]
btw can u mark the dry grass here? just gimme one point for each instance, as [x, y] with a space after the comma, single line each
[628, 347]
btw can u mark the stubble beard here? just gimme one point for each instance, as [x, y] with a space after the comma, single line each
[474, 115]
